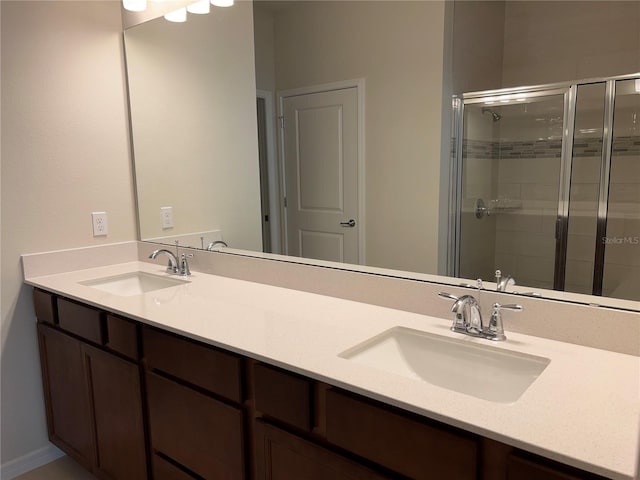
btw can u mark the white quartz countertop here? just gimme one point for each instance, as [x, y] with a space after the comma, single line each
[583, 410]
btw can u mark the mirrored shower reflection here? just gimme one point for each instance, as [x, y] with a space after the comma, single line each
[622, 242]
[511, 161]
[550, 189]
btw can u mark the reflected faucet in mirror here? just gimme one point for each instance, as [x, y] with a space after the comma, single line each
[217, 243]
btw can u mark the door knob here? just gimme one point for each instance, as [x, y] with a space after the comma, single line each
[351, 223]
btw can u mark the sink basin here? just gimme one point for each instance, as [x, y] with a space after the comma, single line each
[478, 370]
[133, 283]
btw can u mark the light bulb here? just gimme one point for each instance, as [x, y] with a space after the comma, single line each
[135, 5]
[222, 3]
[201, 7]
[177, 16]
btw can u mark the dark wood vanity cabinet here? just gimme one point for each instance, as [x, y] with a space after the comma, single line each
[131, 402]
[93, 397]
[67, 398]
[196, 416]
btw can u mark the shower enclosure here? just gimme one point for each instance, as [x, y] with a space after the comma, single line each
[547, 186]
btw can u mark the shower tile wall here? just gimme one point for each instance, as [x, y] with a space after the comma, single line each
[622, 254]
[528, 171]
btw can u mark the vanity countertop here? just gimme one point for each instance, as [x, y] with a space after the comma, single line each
[583, 410]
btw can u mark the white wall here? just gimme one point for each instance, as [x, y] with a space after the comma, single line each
[193, 113]
[64, 154]
[397, 47]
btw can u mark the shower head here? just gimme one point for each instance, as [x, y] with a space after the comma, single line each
[496, 116]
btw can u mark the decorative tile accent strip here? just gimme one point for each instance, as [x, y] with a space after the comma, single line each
[584, 147]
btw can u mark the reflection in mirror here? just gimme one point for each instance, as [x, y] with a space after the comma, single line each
[549, 188]
[197, 134]
[193, 121]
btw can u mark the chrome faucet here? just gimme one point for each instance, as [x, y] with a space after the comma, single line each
[503, 282]
[172, 266]
[212, 245]
[468, 317]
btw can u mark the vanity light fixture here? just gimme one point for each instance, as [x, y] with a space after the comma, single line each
[201, 7]
[637, 85]
[177, 16]
[135, 5]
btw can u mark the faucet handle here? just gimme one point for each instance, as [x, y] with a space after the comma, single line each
[496, 328]
[448, 296]
[509, 306]
[184, 265]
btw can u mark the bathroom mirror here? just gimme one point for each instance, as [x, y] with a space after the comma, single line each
[197, 140]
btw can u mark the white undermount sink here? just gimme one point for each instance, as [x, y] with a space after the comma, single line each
[482, 371]
[133, 283]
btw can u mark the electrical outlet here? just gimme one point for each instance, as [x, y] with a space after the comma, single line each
[166, 216]
[100, 227]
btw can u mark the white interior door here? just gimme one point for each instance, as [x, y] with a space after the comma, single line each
[321, 174]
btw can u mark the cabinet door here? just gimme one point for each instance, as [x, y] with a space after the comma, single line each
[114, 384]
[66, 395]
[282, 456]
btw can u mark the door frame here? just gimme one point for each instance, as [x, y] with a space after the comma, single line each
[273, 175]
[359, 85]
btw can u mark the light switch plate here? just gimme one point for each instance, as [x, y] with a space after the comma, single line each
[166, 217]
[100, 227]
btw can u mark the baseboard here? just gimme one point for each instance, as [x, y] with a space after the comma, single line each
[27, 462]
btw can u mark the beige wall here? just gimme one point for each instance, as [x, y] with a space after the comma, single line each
[397, 47]
[554, 41]
[264, 44]
[193, 113]
[64, 154]
[478, 36]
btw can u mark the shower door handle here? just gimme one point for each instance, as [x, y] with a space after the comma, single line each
[350, 224]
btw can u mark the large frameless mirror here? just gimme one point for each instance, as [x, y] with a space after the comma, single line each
[321, 130]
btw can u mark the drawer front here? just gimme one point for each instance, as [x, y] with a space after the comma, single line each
[399, 442]
[201, 365]
[281, 455]
[44, 306]
[164, 470]
[519, 468]
[122, 336]
[84, 321]
[283, 396]
[200, 433]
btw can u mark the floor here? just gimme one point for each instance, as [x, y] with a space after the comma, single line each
[62, 469]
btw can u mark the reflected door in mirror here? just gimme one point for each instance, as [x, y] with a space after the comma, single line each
[321, 173]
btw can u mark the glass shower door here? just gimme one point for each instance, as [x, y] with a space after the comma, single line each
[511, 162]
[621, 244]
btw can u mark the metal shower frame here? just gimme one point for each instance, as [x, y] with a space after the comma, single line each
[569, 91]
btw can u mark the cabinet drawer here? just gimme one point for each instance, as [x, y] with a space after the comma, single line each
[164, 470]
[523, 468]
[283, 396]
[84, 321]
[400, 442]
[282, 455]
[122, 336]
[44, 306]
[198, 432]
[201, 365]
